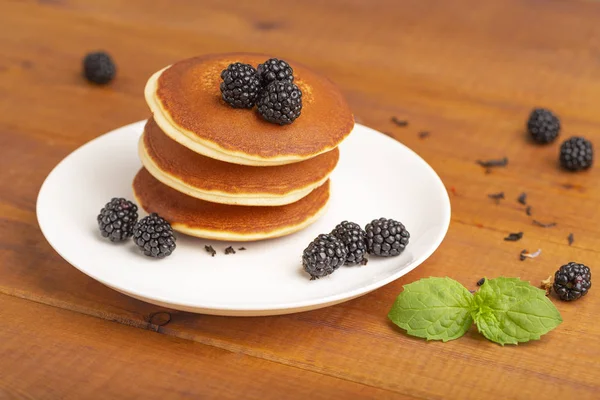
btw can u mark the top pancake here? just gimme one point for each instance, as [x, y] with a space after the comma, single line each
[187, 105]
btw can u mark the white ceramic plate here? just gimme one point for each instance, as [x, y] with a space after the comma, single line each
[376, 177]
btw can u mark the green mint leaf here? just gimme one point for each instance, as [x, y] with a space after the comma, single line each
[434, 309]
[509, 311]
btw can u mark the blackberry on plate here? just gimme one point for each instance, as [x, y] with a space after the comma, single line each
[154, 236]
[280, 102]
[386, 237]
[99, 68]
[572, 281]
[275, 70]
[543, 126]
[323, 255]
[353, 237]
[117, 219]
[240, 85]
[576, 154]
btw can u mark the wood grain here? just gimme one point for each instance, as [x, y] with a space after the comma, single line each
[46, 352]
[468, 72]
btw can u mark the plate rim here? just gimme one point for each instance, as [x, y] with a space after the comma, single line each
[283, 308]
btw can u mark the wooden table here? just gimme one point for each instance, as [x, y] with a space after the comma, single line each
[468, 72]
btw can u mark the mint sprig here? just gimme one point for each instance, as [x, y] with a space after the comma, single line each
[505, 310]
[434, 309]
[509, 311]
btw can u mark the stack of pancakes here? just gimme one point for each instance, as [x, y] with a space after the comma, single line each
[217, 172]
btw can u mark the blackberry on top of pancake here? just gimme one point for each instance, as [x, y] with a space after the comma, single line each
[188, 106]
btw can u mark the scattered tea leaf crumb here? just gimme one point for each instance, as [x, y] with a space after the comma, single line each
[481, 282]
[502, 162]
[571, 238]
[528, 210]
[543, 225]
[525, 254]
[513, 237]
[399, 122]
[364, 261]
[242, 248]
[423, 134]
[547, 283]
[209, 249]
[522, 198]
[229, 250]
[453, 190]
[496, 196]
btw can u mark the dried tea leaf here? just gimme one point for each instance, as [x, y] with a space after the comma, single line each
[547, 284]
[502, 162]
[513, 237]
[229, 250]
[399, 122]
[543, 225]
[210, 250]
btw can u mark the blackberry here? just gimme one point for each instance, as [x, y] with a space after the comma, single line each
[240, 85]
[386, 237]
[117, 219]
[99, 68]
[274, 70]
[572, 281]
[576, 154]
[154, 236]
[323, 255]
[543, 126]
[280, 102]
[353, 237]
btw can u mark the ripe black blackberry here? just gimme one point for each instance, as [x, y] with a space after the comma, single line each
[99, 68]
[572, 281]
[576, 154]
[154, 236]
[353, 237]
[386, 237]
[240, 85]
[117, 219]
[274, 70]
[323, 255]
[543, 126]
[280, 102]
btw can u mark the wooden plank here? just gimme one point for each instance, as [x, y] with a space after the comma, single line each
[46, 352]
[468, 72]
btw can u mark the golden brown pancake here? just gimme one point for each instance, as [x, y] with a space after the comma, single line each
[208, 220]
[187, 105]
[220, 182]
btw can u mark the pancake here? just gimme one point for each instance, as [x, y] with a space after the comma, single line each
[220, 182]
[186, 102]
[208, 220]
